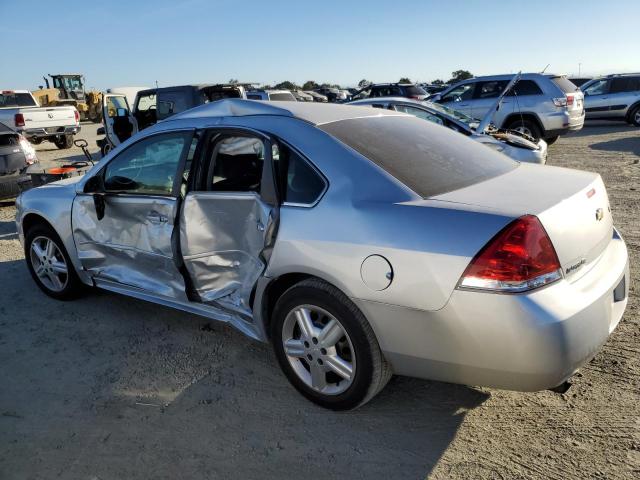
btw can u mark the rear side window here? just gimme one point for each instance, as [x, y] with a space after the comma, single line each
[525, 87]
[299, 182]
[16, 100]
[253, 96]
[564, 84]
[428, 159]
[625, 84]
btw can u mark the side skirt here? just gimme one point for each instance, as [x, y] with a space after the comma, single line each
[196, 308]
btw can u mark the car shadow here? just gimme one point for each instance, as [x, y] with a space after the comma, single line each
[128, 389]
[629, 144]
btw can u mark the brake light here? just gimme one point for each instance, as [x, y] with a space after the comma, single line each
[569, 99]
[520, 257]
[19, 119]
[77, 116]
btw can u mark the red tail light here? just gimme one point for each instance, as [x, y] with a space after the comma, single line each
[19, 119]
[569, 99]
[521, 257]
[77, 115]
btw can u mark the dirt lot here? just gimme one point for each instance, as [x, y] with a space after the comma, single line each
[109, 387]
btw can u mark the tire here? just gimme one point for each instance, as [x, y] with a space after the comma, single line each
[551, 140]
[525, 126]
[35, 140]
[69, 286]
[634, 116]
[64, 142]
[356, 346]
[105, 148]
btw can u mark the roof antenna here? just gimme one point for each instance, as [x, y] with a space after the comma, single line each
[156, 83]
[545, 68]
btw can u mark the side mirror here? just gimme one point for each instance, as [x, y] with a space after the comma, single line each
[100, 131]
[95, 184]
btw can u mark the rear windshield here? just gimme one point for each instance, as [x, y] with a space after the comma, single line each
[427, 158]
[413, 90]
[564, 84]
[281, 97]
[16, 100]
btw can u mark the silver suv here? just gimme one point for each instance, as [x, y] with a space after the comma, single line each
[614, 97]
[539, 105]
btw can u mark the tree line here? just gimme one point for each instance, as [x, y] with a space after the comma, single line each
[456, 77]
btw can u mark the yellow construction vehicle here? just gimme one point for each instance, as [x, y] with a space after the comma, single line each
[68, 89]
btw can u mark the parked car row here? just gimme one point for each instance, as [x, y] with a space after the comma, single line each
[16, 155]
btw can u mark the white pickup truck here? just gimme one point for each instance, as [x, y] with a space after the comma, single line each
[20, 111]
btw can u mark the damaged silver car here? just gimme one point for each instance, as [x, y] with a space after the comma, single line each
[361, 243]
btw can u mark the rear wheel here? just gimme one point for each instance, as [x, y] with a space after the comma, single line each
[326, 347]
[50, 265]
[64, 141]
[36, 140]
[525, 126]
[634, 116]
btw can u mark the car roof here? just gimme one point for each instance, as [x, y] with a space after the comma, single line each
[315, 113]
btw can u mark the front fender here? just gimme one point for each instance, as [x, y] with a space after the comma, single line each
[53, 204]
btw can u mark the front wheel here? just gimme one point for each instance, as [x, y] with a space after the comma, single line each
[50, 265]
[64, 142]
[326, 347]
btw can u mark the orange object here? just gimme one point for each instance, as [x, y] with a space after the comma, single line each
[61, 170]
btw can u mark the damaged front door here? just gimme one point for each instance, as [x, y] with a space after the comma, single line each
[123, 224]
[228, 221]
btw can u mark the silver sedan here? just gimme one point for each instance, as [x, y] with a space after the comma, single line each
[361, 243]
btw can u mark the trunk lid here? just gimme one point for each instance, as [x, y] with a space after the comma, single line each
[572, 205]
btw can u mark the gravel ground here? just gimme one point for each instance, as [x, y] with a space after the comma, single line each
[108, 387]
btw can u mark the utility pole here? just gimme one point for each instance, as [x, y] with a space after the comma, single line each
[579, 69]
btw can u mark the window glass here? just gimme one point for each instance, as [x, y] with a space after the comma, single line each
[117, 107]
[413, 91]
[146, 102]
[282, 97]
[599, 87]
[459, 93]
[253, 96]
[237, 165]
[625, 84]
[299, 182]
[170, 103]
[420, 113]
[427, 161]
[564, 84]
[491, 89]
[16, 100]
[525, 87]
[147, 167]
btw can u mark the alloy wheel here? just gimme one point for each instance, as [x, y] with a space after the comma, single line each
[49, 264]
[319, 349]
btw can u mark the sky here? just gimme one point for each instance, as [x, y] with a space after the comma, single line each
[138, 43]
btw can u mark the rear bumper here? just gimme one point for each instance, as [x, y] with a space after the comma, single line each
[559, 123]
[516, 342]
[47, 133]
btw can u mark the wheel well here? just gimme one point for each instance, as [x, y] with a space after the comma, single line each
[631, 109]
[31, 220]
[525, 116]
[274, 291]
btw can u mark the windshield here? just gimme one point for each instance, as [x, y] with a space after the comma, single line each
[12, 99]
[427, 158]
[461, 117]
[414, 91]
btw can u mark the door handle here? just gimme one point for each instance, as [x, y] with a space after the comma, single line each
[155, 217]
